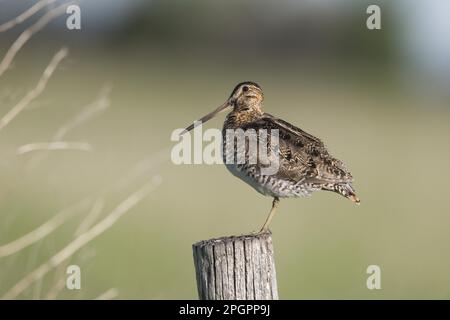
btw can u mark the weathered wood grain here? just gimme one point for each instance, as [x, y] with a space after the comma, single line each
[236, 268]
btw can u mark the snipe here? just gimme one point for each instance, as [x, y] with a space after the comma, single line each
[305, 165]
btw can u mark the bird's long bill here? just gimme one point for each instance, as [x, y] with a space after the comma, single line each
[209, 116]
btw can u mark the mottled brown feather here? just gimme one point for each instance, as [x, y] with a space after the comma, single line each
[303, 157]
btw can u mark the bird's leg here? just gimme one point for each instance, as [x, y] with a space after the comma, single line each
[265, 227]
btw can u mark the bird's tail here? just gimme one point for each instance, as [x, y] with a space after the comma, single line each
[347, 191]
[344, 189]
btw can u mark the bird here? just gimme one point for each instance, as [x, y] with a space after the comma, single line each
[304, 163]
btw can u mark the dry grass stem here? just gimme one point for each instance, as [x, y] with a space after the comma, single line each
[25, 15]
[52, 146]
[85, 224]
[28, 33]
[103, 225]
[42, 231]
[141, 169]
[91, 111]
[108, 295]
[90, 219]
[33, 94]
[57, 287]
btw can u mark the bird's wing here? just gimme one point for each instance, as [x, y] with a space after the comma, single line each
[303, 157]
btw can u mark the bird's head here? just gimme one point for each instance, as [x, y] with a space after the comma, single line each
[245, 97]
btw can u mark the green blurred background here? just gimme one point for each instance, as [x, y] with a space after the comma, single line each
[379, 99]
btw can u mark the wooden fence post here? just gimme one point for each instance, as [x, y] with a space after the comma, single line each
[236, 268]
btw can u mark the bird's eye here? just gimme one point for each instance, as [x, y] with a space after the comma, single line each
[245, 88]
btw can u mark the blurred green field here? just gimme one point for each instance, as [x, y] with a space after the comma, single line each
[397, 150]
